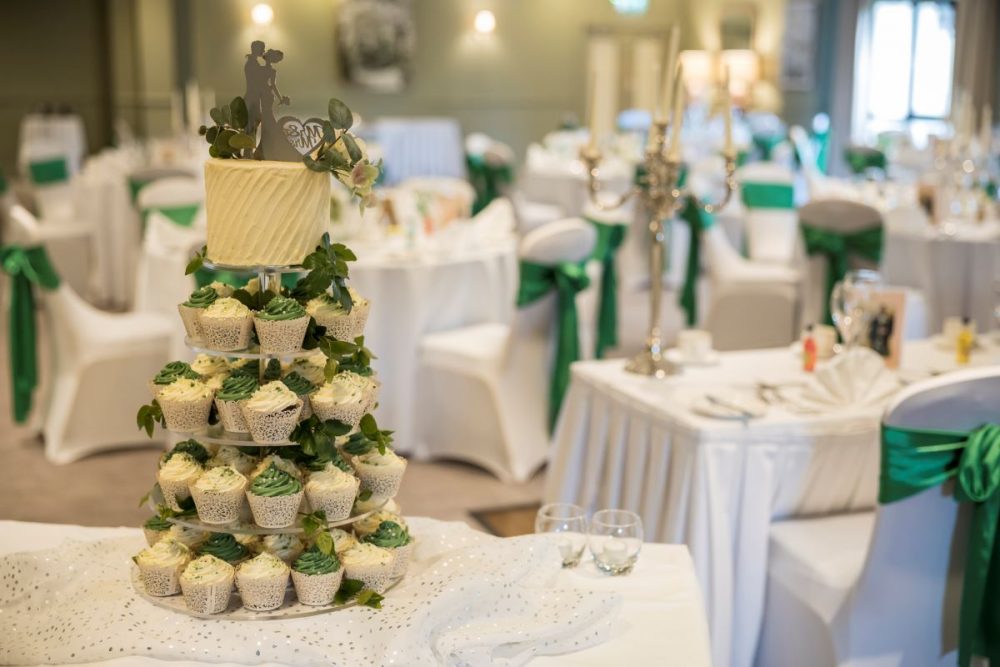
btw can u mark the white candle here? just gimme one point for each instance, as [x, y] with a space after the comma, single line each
[592, 111]
[727, 113]
[565, 548]
[193, 101]
[677, 119]
[176, 114]
[614, 552]
[986, 130]
[667, 87]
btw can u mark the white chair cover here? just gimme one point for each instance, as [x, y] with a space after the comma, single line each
[771, 232]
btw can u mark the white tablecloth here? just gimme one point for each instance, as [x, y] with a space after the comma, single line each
[421, 293]
[661, 616]
[632, 442]
[958, 274]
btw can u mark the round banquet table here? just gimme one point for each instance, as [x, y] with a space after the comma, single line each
[632, 442]
[658, 613]
[958, 273]
[413, 294]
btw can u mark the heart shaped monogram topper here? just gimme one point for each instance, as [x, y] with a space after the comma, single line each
[305, 137]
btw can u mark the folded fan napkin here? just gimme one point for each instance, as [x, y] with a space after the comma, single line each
[856, 377]
[468, 599]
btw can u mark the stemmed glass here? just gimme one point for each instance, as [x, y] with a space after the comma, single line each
[849, 303]
[567, 525]
[615, 540]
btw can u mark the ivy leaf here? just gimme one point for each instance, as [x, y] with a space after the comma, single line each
[216, 114]
[370, 598]
[196, 262]
[324, 542]
[239, 112]
[330, 369]
[148, 416]
[242, 141]
[314, 334]
[352, 147]
[349, 588]
[368, 426]
[340, 115]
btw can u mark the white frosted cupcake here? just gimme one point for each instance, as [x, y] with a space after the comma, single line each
[186, 405]
[312, 367]
[262, 581]
[316, 577]
[226, 325]
[396, 538]
[272, 413]
[176, 476]
[344, 398]
[231, 456]
[377, 503]
[380, 473]
[342, 540]
[339, 323]
[369, 564]
[286, 546]
[208, 365]
[281, 325]
[160, 567]
[218, 495]
[189, 537]
[207, 583]
[155, 528]
[275, 497]
[230, 398]
[333, 491]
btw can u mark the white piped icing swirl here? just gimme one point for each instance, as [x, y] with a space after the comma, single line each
[221, 479]
[185, 390]
[227, 307]
[208, 570]
[263, 566]
[362, 554]
[166, 552]
[272, 397]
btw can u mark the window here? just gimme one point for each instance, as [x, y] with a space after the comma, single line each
[904, 67]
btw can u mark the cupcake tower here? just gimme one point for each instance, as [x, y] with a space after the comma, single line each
[254, 513]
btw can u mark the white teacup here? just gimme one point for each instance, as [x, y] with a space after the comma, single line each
[695, 344]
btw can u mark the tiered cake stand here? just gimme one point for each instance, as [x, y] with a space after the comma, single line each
[270, 279]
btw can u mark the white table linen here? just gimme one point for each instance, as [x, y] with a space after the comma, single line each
[660, 606]
[632, 442]
[957, 273]
[413, 294]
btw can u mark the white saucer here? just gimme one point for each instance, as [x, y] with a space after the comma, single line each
[675, 356]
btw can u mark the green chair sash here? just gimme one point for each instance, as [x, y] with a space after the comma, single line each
[767, 195]
[838, 248]
[821, 141]
[182, 215]
[26, 267]
[566, 280]
[861, 158]
[49, 172]
[766, 143]
[914, 460]
[698, 220]
[610, 237]
[486, 180]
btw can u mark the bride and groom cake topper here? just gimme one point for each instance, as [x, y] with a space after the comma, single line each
[285, 139]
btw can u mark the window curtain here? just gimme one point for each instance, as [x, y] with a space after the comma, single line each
[977, 29]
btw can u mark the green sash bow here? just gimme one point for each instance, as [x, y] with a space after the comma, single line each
[486, 179]
[609, 238]
[766, 143]
[48, 172]
[838, 247]
[182, 215]
[698, 220]
[821, 140]
[566, 280]
[767, 195]
[26, 267]
[860, 158]
[914, 460]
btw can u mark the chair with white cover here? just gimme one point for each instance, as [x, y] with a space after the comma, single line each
[102, 362]
[882, 588]
[753, 304]
[767, 191]
[851, 220]
[484, 390]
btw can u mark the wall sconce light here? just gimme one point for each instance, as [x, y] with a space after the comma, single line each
[485, 22]
[262, 14]
[698, 69]
[744, 71]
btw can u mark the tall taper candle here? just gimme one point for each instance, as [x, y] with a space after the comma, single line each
[727, 114]
[667, 87]
[592, 111]
[986, 130]
[677, 118]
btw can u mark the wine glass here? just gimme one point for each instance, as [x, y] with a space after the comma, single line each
[849, 303]
[566, 524]
[615, 540]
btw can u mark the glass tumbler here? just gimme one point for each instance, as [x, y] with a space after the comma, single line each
[615, 540]
[566, 524]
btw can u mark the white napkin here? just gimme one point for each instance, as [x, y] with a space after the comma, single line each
[856, 377]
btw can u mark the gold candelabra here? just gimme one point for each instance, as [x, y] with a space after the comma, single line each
[662, 196]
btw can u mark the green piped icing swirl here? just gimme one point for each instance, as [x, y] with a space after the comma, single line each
[297, 383]
[173, 371]
[275, 482]
[157, 523]
[315, 562]
[237, 388]
[203, 297]
[389, 535]
[224, 546]
[193, 448]
[282, 308]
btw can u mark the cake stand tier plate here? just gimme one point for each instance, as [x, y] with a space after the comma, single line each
[216, 435]
[252, 352]
[291, 608]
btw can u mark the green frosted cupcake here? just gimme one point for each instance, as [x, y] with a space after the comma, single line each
[316, 577]
[281, 325]
[225, 547]
[229, 400]
[274, 498]
[191, 311]
[155, 528]
[394, 537]
[169, 374]
[302, 388]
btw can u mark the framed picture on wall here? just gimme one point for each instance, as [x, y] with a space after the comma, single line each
[375, 43]
[798, 53]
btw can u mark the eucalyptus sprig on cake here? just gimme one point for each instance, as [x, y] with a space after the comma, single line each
[343, 155]
[228, 138]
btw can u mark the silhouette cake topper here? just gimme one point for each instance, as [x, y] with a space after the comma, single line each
[286, 139]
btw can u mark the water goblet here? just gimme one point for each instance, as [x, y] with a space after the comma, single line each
[615, 540]
[566, 524]
[849, 303]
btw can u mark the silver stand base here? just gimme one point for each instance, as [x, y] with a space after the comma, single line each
[653, 365]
